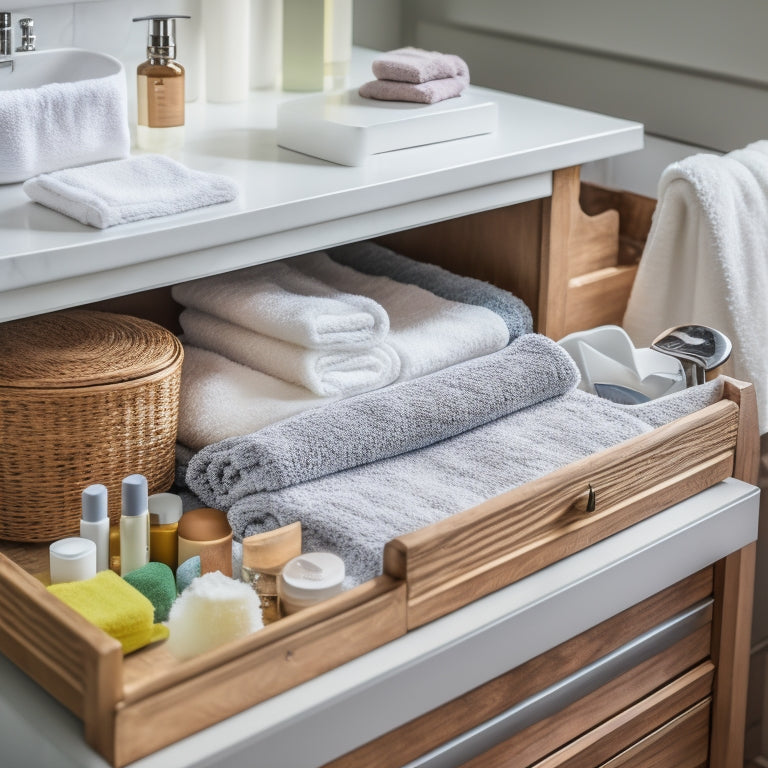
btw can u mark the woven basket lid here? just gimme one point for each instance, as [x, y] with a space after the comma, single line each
[81, 347]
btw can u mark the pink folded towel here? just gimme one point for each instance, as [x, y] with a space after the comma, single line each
[415, 65]
[423, 93]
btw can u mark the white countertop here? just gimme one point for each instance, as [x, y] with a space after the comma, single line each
[291, 203]
[336, 712]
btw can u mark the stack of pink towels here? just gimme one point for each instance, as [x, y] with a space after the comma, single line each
[413, 74]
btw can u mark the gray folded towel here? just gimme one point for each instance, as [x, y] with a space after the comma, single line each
[382, 423]
[354, 513]
[374, 259]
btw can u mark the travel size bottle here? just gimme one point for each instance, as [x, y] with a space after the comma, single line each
[94, 523]
[134, 524]
[160, 88]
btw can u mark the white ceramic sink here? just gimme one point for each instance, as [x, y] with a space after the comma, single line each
[61, 108]
[61, 65]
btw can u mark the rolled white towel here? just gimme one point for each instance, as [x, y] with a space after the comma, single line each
[220, 398]
[342, 372]
[427, 332]
[279, 300]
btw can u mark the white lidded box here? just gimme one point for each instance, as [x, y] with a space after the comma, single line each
[345, 128]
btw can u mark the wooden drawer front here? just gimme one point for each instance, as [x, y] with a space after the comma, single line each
[475, 552]
[607, 721]
[681, 743]
[452, 720]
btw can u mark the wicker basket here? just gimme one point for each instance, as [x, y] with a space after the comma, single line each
[85, 397]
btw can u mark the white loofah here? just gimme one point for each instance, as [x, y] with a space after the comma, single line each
[214, 609]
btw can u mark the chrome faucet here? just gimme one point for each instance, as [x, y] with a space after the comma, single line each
[6, 34]
[27, 35]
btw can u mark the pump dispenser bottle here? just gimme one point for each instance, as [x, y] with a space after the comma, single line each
[134, 524]
[160, 88]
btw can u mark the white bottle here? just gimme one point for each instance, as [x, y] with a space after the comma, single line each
[94, 523]
[134, 524]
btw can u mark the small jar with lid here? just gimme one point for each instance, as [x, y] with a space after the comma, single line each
[309, 579]
[206, 532]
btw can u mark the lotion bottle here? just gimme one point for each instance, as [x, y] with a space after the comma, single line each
[94, 523]
[134, 524]
[160, 88]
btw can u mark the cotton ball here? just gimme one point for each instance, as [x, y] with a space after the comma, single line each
[214, 609]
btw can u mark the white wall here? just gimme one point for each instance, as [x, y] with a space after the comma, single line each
[694, 72]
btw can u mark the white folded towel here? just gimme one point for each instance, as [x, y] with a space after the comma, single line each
[705, 259]
[74, 124]
[335, 372]
[427, 332]
[220, 398]
[120, 191]
[279, 300]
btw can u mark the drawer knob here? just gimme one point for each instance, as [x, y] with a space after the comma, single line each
[586, 502]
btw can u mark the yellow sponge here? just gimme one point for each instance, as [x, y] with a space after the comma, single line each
[112, 604]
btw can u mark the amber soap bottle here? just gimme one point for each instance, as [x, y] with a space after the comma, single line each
[160, 88]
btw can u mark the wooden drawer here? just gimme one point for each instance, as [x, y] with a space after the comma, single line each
[616, 731]
[133, 706]
[488, 702]
[122, 701]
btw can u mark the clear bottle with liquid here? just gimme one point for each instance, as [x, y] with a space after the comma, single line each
[160, 88]
[264, 555]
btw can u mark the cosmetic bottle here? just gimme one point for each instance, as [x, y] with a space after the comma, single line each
[164, 514]
[309, 579]
[264, 555]
[72, 559]
[160, 88]
[94, 522]
[134, 524]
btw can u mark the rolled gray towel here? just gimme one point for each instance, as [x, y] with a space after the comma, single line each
[382, 423]
[374, 259]
[356, 512]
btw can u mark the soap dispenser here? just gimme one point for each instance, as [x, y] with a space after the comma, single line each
[160, 88]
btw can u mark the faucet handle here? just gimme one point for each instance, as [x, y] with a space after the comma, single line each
[27, 35]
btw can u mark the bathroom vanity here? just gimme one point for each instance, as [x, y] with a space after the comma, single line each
[616, 636]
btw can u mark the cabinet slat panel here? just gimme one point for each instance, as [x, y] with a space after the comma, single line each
[680, 743]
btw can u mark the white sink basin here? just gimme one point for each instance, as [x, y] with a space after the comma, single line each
[61, 108]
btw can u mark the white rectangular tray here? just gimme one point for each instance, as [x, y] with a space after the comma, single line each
[345, 128]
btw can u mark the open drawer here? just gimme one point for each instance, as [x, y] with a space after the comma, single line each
[135, 705]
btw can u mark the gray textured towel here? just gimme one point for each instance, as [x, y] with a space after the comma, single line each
[383, 423]
[356, 512]
[375, 259]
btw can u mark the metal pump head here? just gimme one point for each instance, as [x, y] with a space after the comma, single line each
[161, 35]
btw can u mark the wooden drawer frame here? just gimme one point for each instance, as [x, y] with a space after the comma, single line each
[120, 700]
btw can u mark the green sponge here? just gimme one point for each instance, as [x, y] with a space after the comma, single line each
[156, 582]
[187, 572]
